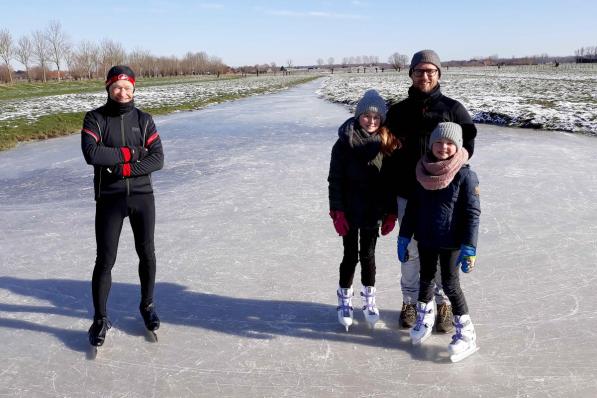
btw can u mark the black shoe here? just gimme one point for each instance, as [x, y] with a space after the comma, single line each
[408, 315]
[150, 317]
[97, 331]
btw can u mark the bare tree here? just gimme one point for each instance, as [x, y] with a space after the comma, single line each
[41, 51]
[58, 43]
[83, 60]
[23, 53]
[6, 49]
[111, 53]
[331, 61]
[138, 60]
[398, 61]
[320, 62]
[289, 63]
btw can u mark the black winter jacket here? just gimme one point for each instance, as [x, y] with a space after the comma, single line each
[413, 119]
[445, 218]
[357, 177]
[106, 131]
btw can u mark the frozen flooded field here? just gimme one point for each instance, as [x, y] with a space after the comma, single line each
[145, 97]
[248, 267]
[563, 98]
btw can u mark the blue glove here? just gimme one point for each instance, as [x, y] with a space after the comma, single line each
[402, 247]
[466, 258]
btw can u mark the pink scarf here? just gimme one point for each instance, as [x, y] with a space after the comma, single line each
[439, 174]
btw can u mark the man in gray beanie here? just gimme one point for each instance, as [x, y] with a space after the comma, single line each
[425, 57]
[412, 120]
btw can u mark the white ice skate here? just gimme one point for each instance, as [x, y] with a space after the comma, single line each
[464, 342]
[370, 309]
[344, 308]
[424, 325]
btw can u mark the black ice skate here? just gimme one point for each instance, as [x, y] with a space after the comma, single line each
[97, 331]
[151, 320]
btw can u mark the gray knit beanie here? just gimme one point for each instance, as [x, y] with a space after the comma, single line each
[448, 130]
[425, 56]
[371, 102]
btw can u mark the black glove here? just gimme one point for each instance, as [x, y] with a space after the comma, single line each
[137, 153]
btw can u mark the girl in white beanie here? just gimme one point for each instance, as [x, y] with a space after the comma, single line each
[444, 219]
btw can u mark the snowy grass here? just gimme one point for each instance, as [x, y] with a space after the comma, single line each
[51, 116]
[546, 97]
[22, 90]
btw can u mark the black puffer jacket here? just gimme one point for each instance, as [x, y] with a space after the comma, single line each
[445, 218]
[413, 119]
[106, 132]
[357, 178]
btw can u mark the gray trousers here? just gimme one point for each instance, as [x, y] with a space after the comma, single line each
[409, 281]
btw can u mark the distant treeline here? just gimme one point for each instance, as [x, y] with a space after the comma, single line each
[50, 54]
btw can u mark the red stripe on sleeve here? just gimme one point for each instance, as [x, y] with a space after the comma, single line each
[126, 170]
[126, 154]
[91, 133]
[152, 138]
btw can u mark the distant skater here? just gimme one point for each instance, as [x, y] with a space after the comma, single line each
[412, 120]
[122, 144]
[444, 218]
[359, 204]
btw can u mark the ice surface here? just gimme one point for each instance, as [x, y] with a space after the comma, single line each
[248, 267]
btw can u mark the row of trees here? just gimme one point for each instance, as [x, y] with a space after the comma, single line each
[396, 61]
[51, 48]
[586, 54]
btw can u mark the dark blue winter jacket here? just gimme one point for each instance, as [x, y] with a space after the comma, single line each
[445, 218]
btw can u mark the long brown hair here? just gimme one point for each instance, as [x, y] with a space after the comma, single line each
[389, 142]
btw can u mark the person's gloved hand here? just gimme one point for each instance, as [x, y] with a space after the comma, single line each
[133, 154]
[340, 222]
[389, 222]
[466, 258]
[402, 246]
[120, 170]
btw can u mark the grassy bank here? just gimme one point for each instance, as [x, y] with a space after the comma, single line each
[23, 90]
[18, 130]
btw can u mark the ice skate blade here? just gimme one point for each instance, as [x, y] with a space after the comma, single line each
[151, 336]
[346, 322]
[421, 340]
[371, 321]
[92, 352]
[371, 325]
[463, 355]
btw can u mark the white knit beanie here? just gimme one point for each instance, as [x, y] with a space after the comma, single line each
[371, 102]
[448, 130]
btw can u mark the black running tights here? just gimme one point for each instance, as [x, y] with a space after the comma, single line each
[109, 217]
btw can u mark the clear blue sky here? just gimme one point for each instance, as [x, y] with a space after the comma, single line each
[256, 31]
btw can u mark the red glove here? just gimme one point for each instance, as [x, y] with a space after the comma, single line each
[389, 222]
[133, 154]
[340, 223]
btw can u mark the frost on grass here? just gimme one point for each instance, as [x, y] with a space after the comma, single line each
[145, 97]
[542, 97]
